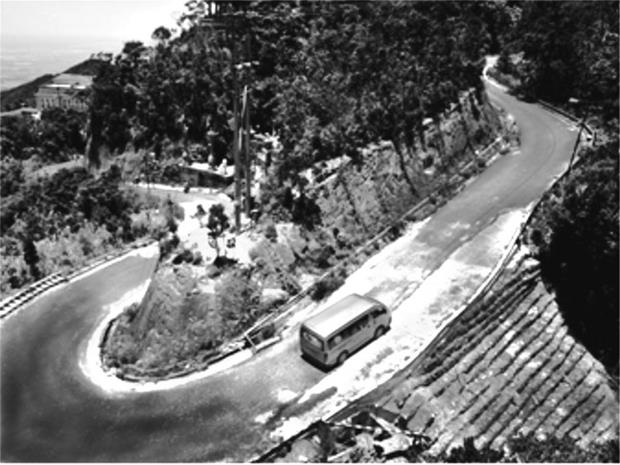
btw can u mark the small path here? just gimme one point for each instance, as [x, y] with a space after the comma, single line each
[190, 231]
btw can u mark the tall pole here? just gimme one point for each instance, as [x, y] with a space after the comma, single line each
[236, 134]
[247, 158]
[248, 174]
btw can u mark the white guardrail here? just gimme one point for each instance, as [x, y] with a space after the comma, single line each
[12, 303]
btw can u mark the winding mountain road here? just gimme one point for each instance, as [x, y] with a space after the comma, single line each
[51, 411]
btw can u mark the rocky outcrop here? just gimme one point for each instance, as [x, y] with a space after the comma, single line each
[361, 199]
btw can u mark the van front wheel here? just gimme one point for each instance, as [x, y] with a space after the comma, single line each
[342, 357]
[379, 332]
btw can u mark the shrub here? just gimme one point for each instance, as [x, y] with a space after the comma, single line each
[469, 453]
[186, 256]
[197, 258]
[325, 287]
[271, 234]
[268, 331]
[237, 296]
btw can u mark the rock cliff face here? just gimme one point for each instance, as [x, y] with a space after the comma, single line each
[362, 199]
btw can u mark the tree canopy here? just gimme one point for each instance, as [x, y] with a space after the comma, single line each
[326, 77]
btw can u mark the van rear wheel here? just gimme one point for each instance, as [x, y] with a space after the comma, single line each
[342, 357]
[379, 332]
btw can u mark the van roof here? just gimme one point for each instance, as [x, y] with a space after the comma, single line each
[335, 316]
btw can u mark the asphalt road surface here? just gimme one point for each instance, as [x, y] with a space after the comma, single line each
[52, 412]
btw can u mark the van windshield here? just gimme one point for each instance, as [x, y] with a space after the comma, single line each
[312, 339]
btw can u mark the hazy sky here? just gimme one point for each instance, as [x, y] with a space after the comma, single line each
[122, 19]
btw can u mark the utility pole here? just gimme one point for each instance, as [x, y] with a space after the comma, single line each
[236, 132]
[247, 159]
[225, 17]
[248, 172]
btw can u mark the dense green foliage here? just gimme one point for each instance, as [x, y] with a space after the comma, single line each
[326, 77]
[578, 250]
[530, 449]
[22, 95]
[65, 200]
[217, 223]
[556, 52]
[570, 49]
[56, 137]
[62, 220]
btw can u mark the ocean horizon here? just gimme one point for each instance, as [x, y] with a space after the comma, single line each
[24, 58]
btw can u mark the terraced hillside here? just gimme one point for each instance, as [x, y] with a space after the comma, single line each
[506, 367]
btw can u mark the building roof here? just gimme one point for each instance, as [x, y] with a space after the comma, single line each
[335, 316]
[78, 81]
[225, 171]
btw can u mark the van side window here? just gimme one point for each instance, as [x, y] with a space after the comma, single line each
[334, 341]
[376, 313]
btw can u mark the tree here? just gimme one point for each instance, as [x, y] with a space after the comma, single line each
[31, 257]
[133, 47]
[217, 223]
[579, 253]
[161, 34]
[238, 296]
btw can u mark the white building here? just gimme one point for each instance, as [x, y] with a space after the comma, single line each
[64, 91]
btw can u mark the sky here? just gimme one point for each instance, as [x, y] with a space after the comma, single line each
[111, 19]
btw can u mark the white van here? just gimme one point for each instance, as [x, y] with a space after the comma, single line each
[339, 330]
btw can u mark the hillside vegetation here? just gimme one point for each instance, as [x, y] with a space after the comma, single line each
[569, 50]
[22, 95]
[404, 107]
[327, 78]
[568, 54]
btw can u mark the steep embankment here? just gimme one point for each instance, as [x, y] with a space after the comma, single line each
[364, 198]
[507, 366]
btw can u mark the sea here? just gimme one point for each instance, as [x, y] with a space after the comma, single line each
[23, 59]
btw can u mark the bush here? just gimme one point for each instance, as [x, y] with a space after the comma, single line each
[468, 453]
[325, 287]
[197, 258]
[268, 331]
[238, 295]
[186, 256]
[271, 234]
